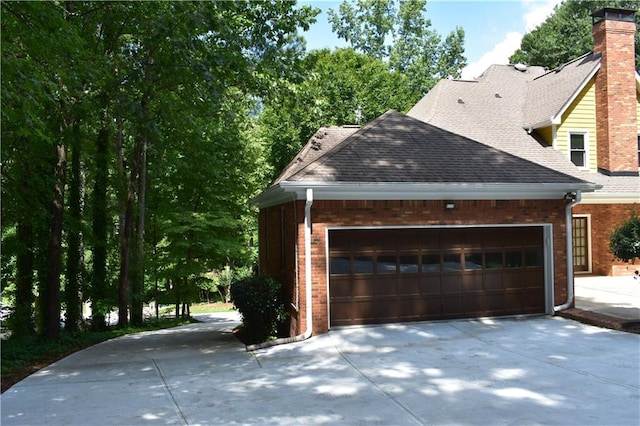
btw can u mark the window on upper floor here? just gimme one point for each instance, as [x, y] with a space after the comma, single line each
[578, 149]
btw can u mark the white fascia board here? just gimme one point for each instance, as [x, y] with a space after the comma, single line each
[289, 191]
[611, 198]
[274, 196]
[557, 118]
[544, 123]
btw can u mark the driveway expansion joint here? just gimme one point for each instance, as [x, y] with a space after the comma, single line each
[418, 420]
[176, 406]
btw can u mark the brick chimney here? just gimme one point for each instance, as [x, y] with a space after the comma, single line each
[616, 120]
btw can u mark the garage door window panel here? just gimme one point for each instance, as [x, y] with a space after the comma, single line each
[363, 264]
[452, 262]
[340, 265]
[513, 259]
[473, 261]
[408, 264]
[386, 264]
[493, 260]
[431, 263]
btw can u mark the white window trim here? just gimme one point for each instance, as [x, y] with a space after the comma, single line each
[587, 154]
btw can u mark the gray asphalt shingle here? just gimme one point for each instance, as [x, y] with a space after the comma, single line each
[398, 148]
[499, 107]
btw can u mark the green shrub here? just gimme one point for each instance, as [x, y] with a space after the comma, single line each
[259, 300]
[625, 240]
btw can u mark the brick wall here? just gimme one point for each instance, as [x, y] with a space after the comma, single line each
[277, 233]
[615, 87]
[604, 220]
[402, 213]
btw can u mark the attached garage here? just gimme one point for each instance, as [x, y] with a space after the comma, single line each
[415, 274]
[402, 221]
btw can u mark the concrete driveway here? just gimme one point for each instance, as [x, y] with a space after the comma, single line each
[538, 370]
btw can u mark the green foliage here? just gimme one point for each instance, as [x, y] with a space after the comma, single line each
[220, 280]
[344, 87]
[624, 242]
[415, 49]
[566, 34]
[259, 300]
[152, 101]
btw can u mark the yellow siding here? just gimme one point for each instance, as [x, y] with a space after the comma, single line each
[580, 117]
[547, 134]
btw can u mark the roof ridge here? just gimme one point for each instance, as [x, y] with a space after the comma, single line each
[298, 158]
[562, 66]
[346, 142]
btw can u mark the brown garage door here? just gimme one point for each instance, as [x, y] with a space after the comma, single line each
[396, 275]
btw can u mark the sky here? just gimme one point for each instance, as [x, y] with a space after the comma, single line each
[493, 29]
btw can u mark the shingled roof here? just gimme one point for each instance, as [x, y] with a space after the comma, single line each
[491, 110]
[504, 106]
[399, 157]
[398, 148]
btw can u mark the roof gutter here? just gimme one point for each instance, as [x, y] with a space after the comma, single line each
[575, 199]
[419, 191]
[307, 284]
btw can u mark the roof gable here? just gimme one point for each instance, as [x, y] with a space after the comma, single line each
[549, 95]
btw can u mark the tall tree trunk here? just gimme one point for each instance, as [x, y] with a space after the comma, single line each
[137, 280]
[123, 276]
[125, 256]
[73, 285]
[155, 266]
[21, 321]
[51, 299]
[127, 235]
[99, 304]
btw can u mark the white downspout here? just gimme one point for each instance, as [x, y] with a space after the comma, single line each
[307, 283]
[569, 228]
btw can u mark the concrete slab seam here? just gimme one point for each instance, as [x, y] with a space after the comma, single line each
[410, 413]
[181, 415]
[253, 354]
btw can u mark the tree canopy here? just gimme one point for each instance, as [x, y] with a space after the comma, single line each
[398, 31]
[343, 87]
[127, 159]
[566, 34]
